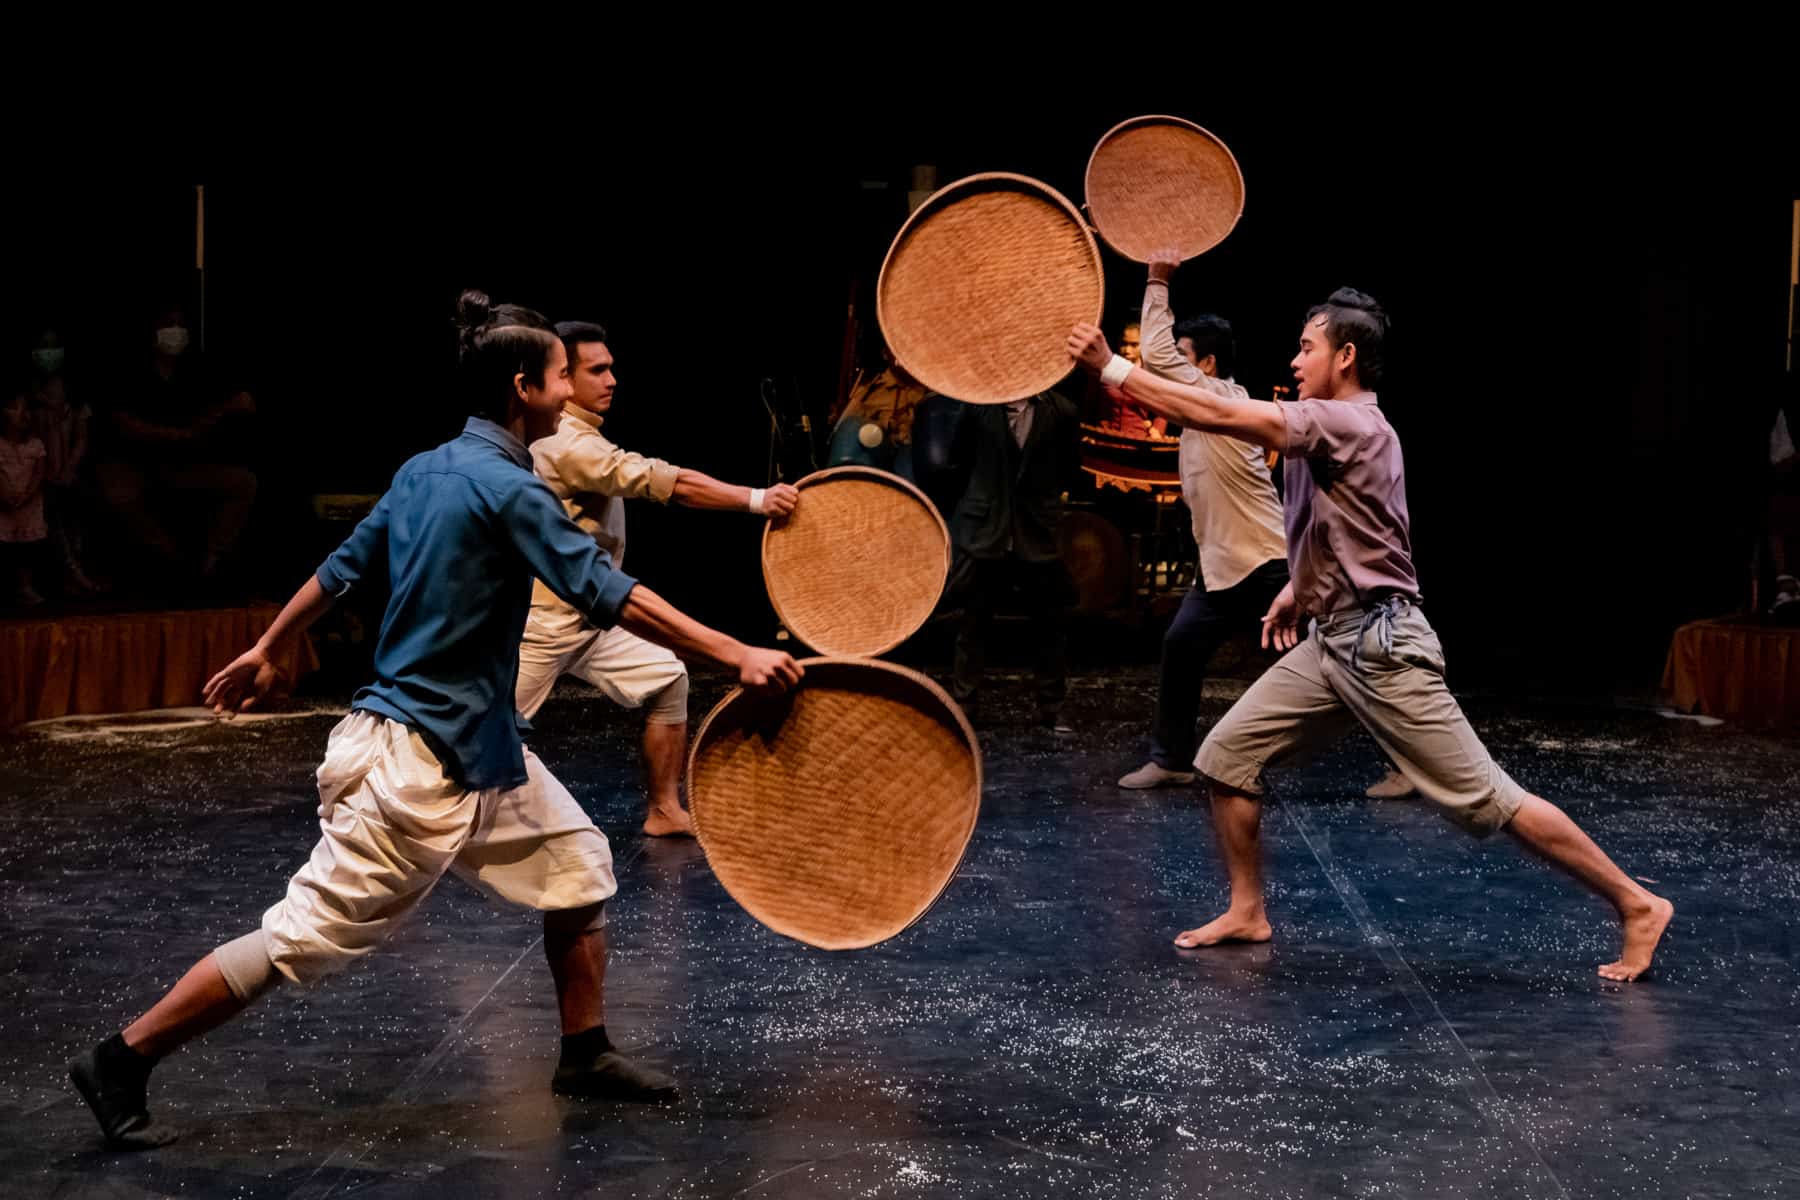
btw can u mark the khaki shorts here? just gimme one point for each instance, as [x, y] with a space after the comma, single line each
[392, 823]
[1386, 672]
[560, 641]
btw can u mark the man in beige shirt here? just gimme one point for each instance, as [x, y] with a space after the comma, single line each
[1237, 526]
[593, 478]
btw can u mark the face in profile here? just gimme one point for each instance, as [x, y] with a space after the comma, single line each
[549, 394]
[1318, 368]
[593, 378]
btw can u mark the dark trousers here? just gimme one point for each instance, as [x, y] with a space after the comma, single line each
[1205, 621]
[1045, 592]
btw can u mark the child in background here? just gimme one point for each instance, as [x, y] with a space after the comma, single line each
[63, 426]
[22, 529]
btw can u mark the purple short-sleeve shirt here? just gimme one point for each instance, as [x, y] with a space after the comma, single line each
[1349, 538]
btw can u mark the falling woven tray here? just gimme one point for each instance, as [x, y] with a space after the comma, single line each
[837, 814]
[860, 564]
[1161, 183]
[982, 285]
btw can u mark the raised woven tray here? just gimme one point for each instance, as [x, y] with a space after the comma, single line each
[982, 285]
[1156, 183]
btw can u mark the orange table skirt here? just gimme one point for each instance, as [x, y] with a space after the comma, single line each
[1732, 668]
[126, 662]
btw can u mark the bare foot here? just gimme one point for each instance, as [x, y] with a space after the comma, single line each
[666, 822]
[1250, 927]
[1642, 931]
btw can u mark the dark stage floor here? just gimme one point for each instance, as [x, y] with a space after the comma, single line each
[1427, 1023]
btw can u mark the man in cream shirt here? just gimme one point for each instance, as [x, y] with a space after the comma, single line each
[1237, 525]
[593, 478]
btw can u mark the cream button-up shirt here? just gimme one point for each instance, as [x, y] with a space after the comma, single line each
[1226, 482]
[593, 478]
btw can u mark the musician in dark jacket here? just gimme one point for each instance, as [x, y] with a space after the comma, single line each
[1021, 459]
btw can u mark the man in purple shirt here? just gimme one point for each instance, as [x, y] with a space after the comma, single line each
[1372, 657]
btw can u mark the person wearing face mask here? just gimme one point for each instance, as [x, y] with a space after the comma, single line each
[171, 473]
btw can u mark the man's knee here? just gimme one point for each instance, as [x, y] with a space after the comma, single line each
[669, 704]
[1201, 636]
[1229, 768]
[575, 922]
[1184, 635]
[245, 963]
[533, 687]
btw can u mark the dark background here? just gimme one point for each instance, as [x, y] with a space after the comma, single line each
[1589, 297]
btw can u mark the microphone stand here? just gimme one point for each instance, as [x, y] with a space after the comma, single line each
[767, 391]
[770, 395]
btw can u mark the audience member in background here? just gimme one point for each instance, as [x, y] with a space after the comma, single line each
[1777, 581]
[1111, 409]
[22, 530]
[1021, 460]
[62, 424]
[171, 458]
[1131, 343]
[1237, 526]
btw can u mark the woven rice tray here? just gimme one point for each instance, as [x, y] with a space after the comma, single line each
[1159, 183]
[859, 566]
[837, 814]
[982, 285]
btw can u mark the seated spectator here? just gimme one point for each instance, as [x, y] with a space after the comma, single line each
[62, 425]
[1111, 409]
[171, 459]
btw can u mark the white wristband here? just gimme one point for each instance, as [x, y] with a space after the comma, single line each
[1113, 373]
[756, 499]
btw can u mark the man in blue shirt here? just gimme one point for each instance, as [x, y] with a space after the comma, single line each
[428, 773]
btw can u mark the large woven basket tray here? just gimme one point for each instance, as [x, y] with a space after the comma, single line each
[860, 564]
[982, 285]
[1157, 183]
[838, 814]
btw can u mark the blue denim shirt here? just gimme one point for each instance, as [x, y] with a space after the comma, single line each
[457, 539]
